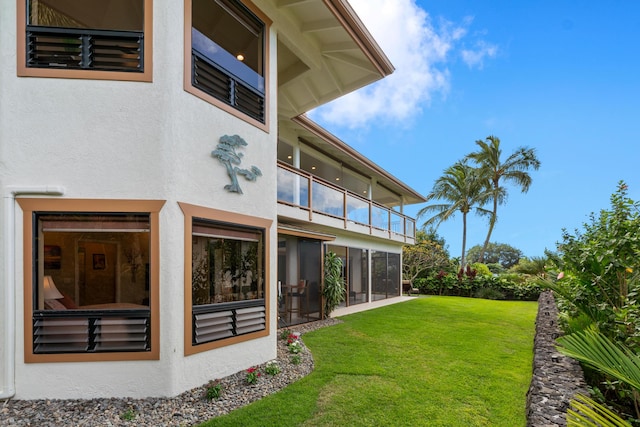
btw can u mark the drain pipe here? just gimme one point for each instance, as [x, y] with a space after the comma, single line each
[9, 387]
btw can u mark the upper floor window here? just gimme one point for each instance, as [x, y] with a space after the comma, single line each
[227, 56]
[101, 39]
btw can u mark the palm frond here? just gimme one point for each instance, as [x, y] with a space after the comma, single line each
[596, 350]
[585, 412]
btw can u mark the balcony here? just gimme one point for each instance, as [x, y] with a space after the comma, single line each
[306, 197]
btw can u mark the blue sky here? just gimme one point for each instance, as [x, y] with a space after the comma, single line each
[559, 76]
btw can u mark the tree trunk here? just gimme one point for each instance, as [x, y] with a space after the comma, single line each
[492, 223]
[464, 238]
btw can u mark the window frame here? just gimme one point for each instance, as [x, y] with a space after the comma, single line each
[188, 67]
[32, 206]
[145, 76]
[199, 212]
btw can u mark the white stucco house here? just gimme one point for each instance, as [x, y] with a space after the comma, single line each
[166, 202]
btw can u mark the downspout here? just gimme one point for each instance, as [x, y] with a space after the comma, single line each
[9, 387]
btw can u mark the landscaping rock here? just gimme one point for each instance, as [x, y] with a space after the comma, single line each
[556, 378]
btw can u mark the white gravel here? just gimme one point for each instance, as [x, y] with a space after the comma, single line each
[187, 409]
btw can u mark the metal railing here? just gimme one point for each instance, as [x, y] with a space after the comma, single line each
[315, 195]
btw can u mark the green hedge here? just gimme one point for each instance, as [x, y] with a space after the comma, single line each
[492, 287]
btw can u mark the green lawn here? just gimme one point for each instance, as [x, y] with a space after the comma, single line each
[432, 361]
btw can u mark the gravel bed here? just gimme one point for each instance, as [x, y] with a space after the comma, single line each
[187, 409]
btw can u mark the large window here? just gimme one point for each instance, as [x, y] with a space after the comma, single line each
[227, 51]
[385, 275]
[109, 39]
[91, 284]
[355, 269]
[225, 278]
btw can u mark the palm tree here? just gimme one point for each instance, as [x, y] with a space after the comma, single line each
[513, 170]
[463, 188]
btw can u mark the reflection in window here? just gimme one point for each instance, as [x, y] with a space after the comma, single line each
[227, 264]
[227, 42]
[385, 275]
[327, 200]
[228, 276]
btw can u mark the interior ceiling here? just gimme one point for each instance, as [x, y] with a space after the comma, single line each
[342, 154]
[324, 52]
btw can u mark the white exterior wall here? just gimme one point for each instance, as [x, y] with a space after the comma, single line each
[130, 140]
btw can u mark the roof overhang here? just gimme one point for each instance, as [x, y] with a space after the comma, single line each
[324, 52]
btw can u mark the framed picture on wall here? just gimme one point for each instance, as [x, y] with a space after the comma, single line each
[99, 262]
[52, 257]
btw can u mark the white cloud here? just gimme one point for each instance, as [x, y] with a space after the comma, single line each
[474, 58]
[419, 50]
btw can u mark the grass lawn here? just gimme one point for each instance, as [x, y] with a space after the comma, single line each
[432, 361]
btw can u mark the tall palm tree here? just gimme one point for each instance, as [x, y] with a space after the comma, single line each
[514, 170]
[462, 187]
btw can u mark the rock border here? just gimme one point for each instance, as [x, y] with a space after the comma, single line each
[556, 378]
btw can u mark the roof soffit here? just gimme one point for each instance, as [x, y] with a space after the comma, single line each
[324, 52]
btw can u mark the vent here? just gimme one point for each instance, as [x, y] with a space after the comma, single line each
[223, 86]
[77, 331]
[218, 321]
[84, 49]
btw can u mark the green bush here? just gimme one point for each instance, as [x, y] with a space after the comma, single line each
[489, 293]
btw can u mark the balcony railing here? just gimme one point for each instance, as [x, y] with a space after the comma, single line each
[315, 195]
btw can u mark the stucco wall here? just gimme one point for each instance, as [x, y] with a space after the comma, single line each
[129, 140]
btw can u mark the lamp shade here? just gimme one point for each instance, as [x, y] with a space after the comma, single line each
[50, 290]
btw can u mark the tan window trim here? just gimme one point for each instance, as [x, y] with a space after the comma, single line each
[24, 71]
[188, 87]
[191, 211]
[29, 207]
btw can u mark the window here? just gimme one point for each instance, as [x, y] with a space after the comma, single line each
[226, 272]
[91, 279]
[93, 39]
[226, 56]
[385, 275]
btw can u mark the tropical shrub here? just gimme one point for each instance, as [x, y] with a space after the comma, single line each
[334, 291]
[598, 285]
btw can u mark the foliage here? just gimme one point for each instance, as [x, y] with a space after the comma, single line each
[616, 361]
[405, 365]
[481, 269]
[252, 375]
[598, 285]
[510, 286]
[284, 334]
[334, 291]
[293, 343]
[513, 170]
[536, 266]
[462, 187]
[587, 412]
[489, 293]
[214, 390]
[296, 359]
[272, 368]
[128, 415]
[422, 257]
[600, 270]
[496, 268]
[501, 253]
